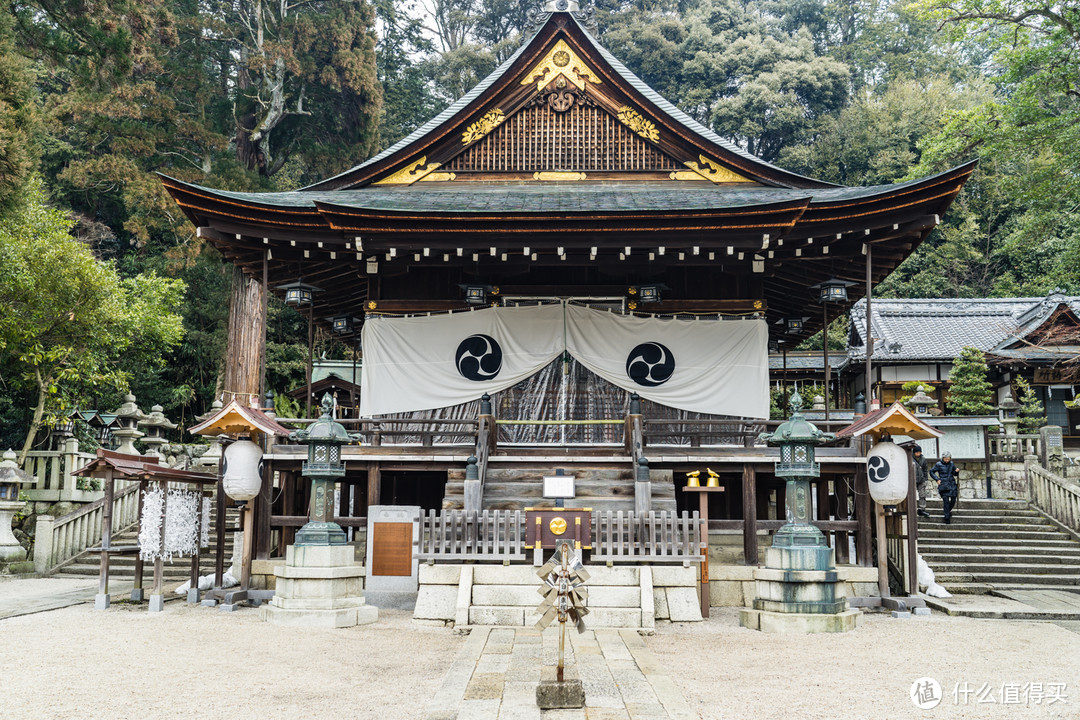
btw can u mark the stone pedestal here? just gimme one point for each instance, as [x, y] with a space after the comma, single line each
[799, 591]
[552, 694]
[319, 586]
[12, 554]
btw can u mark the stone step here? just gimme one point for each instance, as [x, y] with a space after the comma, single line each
[967, 510]
[1018, 568]
[1023, 556]
[962, 518]
[947, 533]
[980, 504]
[946, 544]
[1001, 579]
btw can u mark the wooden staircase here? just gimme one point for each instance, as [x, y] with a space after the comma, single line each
[596, 487]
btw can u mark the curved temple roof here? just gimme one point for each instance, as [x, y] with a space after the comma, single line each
[495, 173]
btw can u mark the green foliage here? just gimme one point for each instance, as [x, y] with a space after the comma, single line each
[1032, 414]
[68, 322]
[912, 386]
[969, 388]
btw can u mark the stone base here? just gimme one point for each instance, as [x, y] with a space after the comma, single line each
[101, 601]
[157, 603]
[21, 567]
[343, 617]
[390, 599]
[193, 595]
[319, 586]
[137, 595]
[798, 623]
[551, 694]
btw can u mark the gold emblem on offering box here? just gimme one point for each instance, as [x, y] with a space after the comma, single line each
[557, 526]
[632, 119]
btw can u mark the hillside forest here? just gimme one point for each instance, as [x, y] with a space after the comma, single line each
[104, 287]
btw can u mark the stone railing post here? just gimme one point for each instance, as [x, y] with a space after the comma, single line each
[43, 543]
[1029, 462]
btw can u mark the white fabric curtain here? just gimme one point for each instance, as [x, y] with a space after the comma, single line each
[699, 366]
[709, 366]
[423, 363]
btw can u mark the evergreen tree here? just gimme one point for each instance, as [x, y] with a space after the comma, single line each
[970, 391]
[1032, 415]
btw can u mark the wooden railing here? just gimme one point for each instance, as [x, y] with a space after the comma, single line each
[654, 536]
[1055, 496]
[1013, 446]
[494, 535]
[57, 540]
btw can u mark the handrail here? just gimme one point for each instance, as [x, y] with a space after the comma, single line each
[59, 540]
[1056, 497]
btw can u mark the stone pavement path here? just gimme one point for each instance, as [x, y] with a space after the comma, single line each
[24, 596]
[494, 677]
[1051, 605]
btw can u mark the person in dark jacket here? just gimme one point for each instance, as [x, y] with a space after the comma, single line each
[946, 474]
[922, 477]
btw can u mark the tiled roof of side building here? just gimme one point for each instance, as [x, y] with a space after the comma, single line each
[937, 329]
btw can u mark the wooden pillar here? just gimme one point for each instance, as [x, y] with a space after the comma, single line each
[262, 514]
[137, 588]
[843, 512]
[864, 513]
[912, 530]
[749, 494]
[823, 506]
[101, 602]
[374, 483]
[157, 597]
[882, 551]
[219, 527]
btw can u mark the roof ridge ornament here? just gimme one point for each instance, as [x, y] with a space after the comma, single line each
[541, 12]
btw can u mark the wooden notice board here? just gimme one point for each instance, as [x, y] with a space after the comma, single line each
[391, 549]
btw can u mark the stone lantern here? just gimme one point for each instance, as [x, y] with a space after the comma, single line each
[156, 424]
[1009, 414]
[323, 467]
[128, 416]
[920, 403]
[799, 590]
[797, 439]
[12, 554]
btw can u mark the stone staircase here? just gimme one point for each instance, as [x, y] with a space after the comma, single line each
[122, 567]
[599, 488]
[998, 545]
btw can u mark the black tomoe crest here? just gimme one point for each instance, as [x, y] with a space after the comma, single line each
[877, 469]
[650, 364]
[479, 358]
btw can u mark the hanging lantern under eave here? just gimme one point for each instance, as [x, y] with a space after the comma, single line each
[887, 472]
[242, 470]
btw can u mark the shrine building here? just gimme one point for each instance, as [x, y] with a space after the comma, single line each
[562, 270]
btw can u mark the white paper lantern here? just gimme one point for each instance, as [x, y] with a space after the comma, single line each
[887, 471]
[242, 470]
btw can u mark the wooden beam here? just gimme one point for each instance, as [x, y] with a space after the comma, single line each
[374, 484]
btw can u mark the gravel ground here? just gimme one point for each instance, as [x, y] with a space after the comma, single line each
[191, 661]
[732, 672]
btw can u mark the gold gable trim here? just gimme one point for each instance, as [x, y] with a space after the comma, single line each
[714, 171]
[559, 176]
[483, 126]
[561, 60]
[632, 119]
[410, 173]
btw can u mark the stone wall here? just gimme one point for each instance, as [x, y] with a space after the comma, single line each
[1007, 480]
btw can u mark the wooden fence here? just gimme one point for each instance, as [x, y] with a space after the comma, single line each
[57, 540]
[1054, 495]
[653, 536]
[617, 536]
[494, 535]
